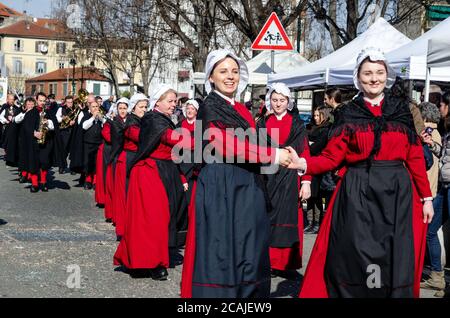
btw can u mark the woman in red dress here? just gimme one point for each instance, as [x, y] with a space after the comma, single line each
[188, 166]
[155, 192]
[137, 107]
[372, 240]
[116, 120]
[227, 254]
[285, 188]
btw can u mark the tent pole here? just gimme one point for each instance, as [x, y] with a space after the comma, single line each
[427, 86]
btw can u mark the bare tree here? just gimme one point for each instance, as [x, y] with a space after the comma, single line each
[194, 22]
[356, 12]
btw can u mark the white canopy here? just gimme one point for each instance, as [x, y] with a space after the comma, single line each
[259, 66]
[380, 34]
[410, 60]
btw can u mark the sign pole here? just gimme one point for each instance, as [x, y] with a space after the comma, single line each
[272, 61]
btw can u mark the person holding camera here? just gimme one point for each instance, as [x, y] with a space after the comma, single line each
[441, 152]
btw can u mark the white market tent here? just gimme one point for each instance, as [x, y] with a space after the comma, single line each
[259, 66]
[409, 60]
[380, 34]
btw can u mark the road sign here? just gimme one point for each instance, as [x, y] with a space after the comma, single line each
[272, 36]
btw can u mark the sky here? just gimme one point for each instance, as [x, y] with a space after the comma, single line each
[36, 8]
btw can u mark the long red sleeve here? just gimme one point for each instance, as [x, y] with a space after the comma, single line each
[132, 133]
[173, 138]
[106, 132]
[230, 147]
[330, 158]
[415, 162]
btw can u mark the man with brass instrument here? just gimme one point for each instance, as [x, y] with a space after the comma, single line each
[76, 155]
[92, 125]
[10, 130]
[66, 116]
[36, 143]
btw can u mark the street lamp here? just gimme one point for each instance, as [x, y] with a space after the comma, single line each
[73, 62]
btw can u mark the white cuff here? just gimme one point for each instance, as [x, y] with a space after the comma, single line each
[427, 199]
[277, 156]
[306, 182]
[50, 125]
[302, 172]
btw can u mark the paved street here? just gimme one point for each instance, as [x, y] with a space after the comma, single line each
[47, 232]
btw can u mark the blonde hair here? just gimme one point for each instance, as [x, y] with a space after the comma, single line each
[163, 96]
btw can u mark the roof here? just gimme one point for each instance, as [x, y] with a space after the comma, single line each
[29, 29]
[8, 12]
[86, 73]
[52, 24]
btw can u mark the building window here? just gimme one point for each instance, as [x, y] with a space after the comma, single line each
[96, 89]
[38, 45]
[18, 45]
[17, 66]
[41, 87]
[53, 88]
[61, 64]
[60, 48]
[33, 89]
[41, 67]
[65, 91]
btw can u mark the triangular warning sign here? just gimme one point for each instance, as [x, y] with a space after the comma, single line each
[272, 36]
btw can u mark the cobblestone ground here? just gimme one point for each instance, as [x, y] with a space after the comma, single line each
[49, 232]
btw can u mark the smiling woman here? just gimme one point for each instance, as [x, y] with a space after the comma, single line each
[383, 201]
[227, 252]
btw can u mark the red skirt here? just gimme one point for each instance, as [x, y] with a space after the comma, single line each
[100, 179]
[109, 187]
[289, 258]
[118, 200]
[189, 251]
[145, 243]
[314, 286]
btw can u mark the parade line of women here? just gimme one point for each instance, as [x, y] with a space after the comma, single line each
[238, 210]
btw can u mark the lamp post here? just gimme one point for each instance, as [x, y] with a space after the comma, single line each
[73, 62]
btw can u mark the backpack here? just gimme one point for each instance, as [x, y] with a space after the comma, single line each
[428, 155]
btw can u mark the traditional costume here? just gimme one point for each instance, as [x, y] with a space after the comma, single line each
[374, 223]
[286, 213]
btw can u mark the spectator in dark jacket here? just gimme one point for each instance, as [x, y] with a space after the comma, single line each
[318, 139]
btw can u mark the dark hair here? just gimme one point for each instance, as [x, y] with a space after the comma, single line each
[435, 98]
[98, 97]
[446, 98]
[183, 100]
[68, 97]
[400, 89]
[334, 93]
[447, 123]
[430, 112]
[52, 96]
[367, 59]
[30, 99]
[40, 94]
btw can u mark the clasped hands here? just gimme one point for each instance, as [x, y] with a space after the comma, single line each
[289, 158]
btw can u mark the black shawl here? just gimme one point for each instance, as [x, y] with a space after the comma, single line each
[153, 125]
[356, 117]
[117, 138]
[216, 110]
